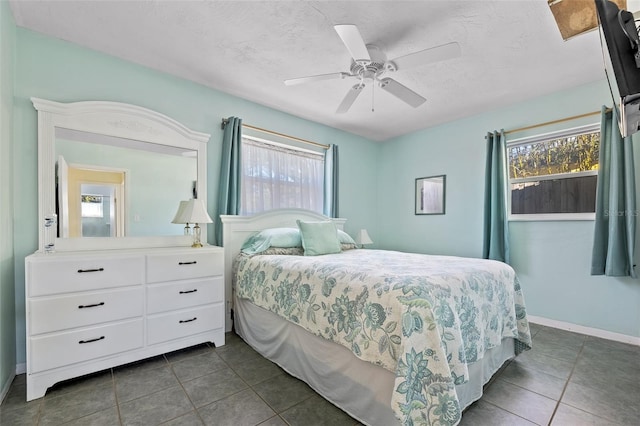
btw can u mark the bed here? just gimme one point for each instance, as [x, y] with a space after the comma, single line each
[389, 337]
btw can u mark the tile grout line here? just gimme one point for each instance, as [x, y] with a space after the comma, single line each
[115, 394]
[497, 377]
[277, 414]
[184, 390]
[577, 407]
[168, 365]
[537, 372]
[40, 409]
[566, 384]
[229, 367]
[254, 391]
[510, 412]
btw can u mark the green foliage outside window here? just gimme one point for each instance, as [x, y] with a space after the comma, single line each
[570, 154]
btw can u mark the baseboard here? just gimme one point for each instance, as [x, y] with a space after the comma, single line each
[589, 331]
[6, 386]
[21, 368]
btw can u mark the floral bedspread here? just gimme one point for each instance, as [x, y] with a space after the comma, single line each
[424, 318]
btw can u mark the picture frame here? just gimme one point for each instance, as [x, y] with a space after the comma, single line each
[430, 194]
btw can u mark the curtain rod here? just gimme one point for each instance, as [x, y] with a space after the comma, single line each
[271, 132]
[562, 120]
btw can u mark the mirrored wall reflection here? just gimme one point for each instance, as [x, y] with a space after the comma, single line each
[115, 187]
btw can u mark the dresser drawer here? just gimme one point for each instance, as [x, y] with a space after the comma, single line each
[174, 325]
[66, 275]
[181, 266]
[184, 294]
[51, 351]
[83, 309]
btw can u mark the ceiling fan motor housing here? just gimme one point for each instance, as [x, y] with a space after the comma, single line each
[371, 69]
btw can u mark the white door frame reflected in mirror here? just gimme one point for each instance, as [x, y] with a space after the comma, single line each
[74, 181]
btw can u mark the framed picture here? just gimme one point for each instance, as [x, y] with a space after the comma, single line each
[430, 194]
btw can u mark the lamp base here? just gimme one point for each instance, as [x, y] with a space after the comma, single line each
[196, 236]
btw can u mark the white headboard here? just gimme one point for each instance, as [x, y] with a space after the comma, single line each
[236, 229]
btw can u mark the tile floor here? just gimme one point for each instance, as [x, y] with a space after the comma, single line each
[567, 379]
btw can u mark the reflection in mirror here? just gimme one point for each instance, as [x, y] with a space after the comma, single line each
[98, 211]
[113, 187]
[430, 195]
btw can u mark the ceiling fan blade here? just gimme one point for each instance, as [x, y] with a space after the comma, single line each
[301, 80]
[401, 92]
[348, 100]
[352, 39]
[428, 56]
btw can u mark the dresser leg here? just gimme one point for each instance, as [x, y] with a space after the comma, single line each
[36, 387]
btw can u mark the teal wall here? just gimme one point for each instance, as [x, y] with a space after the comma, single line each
[56, 70]
[7, 284]
[552, 259]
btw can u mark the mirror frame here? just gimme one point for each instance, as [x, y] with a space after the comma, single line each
[440, 206]
[118, 120]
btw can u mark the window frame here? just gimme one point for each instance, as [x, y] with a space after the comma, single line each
[528, 140]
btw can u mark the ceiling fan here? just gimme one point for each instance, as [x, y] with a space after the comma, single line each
[370, 64]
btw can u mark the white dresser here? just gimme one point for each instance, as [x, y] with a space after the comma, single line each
[88, 311]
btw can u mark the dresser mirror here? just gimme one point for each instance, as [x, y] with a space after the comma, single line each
[112, 175]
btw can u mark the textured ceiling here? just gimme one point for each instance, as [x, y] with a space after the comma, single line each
[511, 51]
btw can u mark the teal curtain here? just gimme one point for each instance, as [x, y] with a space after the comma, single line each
[230, 171]
[331, 181]
[615, 224]
[496, 226]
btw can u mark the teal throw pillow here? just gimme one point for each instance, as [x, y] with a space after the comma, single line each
[319, 238]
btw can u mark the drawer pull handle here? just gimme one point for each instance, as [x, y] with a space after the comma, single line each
[193, 262]
[91, 306]
[80, 271]
[91, 340]
[188, 291]
[189, 320]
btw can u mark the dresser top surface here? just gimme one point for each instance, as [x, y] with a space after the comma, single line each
[124, 252]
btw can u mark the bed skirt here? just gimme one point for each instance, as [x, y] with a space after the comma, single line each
[361, 389]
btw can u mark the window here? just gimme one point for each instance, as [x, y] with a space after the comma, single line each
[91, 205]
[277, 176]
[554, 174]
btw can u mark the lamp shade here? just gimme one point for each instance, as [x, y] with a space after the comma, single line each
[362, 237]
[195, 212]
[180, 217]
